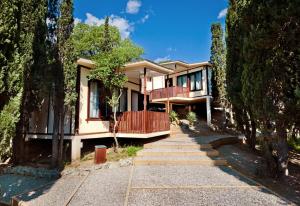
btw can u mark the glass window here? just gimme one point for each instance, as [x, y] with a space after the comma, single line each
[198, 76]
[182, 81]
[94, 106]
[123, 101]
[192, 82]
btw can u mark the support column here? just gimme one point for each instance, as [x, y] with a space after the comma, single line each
[168, 101]
[208, 111]
[76, 145]
[145, 99]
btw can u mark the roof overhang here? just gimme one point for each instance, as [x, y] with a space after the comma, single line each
[190, 66]
[133, 66]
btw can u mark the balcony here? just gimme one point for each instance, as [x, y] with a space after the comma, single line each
[143, 122]
[169, 92]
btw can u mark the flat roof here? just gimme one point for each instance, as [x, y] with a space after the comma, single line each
[131, 66]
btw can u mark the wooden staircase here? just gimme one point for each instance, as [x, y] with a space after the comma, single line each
[181, 148]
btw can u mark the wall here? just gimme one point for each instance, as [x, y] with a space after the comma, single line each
[86, 126]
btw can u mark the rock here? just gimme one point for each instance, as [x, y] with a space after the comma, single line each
[113, 165]
[125, 162]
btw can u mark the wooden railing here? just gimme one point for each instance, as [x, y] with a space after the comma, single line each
[175, 91]
[143, 122]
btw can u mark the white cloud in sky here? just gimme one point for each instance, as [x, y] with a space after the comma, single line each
[162, 59]
[133, 6]
[145, 18]
[122, 24]
[222, 13]
[77, 20]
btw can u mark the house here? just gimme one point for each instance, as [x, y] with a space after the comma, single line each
[141, 114]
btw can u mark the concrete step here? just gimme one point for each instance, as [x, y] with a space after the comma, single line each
[177, 146]
[177, 152]
[179, 160]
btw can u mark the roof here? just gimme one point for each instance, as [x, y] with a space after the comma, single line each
[132, 65]
[193, 65]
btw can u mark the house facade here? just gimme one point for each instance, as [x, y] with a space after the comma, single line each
[152, 90]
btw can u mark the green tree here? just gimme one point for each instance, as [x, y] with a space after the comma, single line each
[109, 68]
[63, 68]
[103, 45]
[22, 35]
[218, 61]
[263, 71]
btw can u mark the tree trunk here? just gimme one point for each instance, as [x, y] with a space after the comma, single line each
[114, 130]
[253, 133]
[61, 140]
[282, 152]
[55, 136]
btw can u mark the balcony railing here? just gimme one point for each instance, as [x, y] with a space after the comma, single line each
[143, 122]
[175, 91]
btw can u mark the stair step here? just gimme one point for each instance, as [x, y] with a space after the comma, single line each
[176, 152]
[177, 146]
[191, 160]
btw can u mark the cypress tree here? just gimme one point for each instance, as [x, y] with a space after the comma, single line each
[22, 25]
[218, 62]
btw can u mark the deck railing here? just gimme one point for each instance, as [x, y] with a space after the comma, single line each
[175, 91]
[143, 122]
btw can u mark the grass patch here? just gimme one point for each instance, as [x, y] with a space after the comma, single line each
[111, 156]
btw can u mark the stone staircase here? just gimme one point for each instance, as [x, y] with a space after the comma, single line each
[181, 148]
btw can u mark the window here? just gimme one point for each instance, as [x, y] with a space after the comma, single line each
[195, 81]
[123, 101]
[182, 81]
[94, 100]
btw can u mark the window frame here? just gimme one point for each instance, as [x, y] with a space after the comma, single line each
[195, 84]
[88, 105]
[188, 80]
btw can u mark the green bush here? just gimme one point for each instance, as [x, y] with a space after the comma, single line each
[191, 117]
[132, 150]
[173, 116]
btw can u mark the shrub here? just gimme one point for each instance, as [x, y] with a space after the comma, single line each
[173, 116]
[191, 117]
[132, 150]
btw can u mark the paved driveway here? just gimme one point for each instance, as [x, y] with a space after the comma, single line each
[172, 185]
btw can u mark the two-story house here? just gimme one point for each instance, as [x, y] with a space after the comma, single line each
[172, 85]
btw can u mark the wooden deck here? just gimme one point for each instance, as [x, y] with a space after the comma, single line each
[143, 122]
[175, 91]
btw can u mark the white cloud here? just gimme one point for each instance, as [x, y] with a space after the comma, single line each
[222, 13]
[122, 24]
[162, 59]
[77, 20]
[92, 20]
[133, 6]
[145, 18]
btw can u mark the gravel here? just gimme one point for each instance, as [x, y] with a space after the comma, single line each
[103, 187]
[153, 176]
[55, 193]
[11, 185]
[205, 196]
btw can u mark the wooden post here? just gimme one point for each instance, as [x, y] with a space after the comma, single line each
[145, 99]
[168, 101]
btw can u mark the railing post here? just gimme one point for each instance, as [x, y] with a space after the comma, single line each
[145, 100]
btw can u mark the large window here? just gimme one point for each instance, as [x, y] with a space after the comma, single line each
[182, 81]
[195, 81]
[94, 100]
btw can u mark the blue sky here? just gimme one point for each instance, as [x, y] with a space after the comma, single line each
[166, 29]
